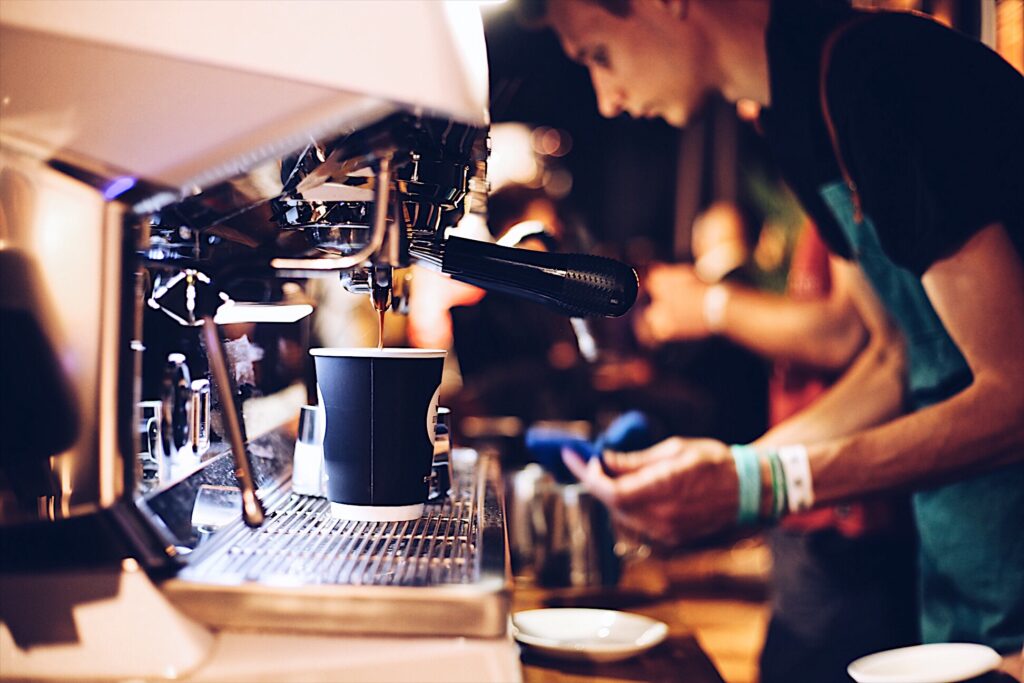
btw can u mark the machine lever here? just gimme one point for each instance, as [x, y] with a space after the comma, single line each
[252, 508]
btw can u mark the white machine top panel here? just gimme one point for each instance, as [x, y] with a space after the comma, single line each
[184, 92]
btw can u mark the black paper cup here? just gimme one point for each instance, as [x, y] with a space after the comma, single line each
[380, 407]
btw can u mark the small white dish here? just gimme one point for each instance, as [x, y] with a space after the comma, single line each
[596, 635]
[933, 663]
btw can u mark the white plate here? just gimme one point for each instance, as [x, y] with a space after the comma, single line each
[934, 663]
[597, 635]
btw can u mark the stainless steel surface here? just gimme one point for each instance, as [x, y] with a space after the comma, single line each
[309, 477]
[444, 422]
[151, 449]
[302, 542]
[442, 472]
[445, 573]
[588, 541]
[199, 416]
[382, 192]
[308, 473]
[308, 425]
[560, 535]
[73, 240]
[177, 395]
[380, 290]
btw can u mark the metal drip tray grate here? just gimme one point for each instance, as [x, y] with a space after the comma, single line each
[301, 543]
[445, 573]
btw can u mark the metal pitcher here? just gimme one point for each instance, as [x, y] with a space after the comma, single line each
[559, 534]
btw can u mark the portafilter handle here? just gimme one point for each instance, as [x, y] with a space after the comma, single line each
[577, 285]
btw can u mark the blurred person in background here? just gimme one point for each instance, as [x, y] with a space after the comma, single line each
[730, 383]
[516, 358]
[926, 198]
[513, 357]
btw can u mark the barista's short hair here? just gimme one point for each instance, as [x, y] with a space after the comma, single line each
[534, 13]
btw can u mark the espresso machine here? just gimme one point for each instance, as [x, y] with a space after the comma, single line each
[169, 170]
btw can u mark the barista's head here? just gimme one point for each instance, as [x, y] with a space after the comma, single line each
[661, 58]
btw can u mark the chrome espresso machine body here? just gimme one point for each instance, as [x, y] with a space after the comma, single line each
[169, 170]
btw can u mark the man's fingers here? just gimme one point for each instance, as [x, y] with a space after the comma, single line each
[591, 475]
[627, 461]
[646, 477]
[626, 491]
[663, 450]
[575, 463]
[645, 485]
[622, 462]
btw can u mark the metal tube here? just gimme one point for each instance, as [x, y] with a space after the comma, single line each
[252, 508]
[381, 198]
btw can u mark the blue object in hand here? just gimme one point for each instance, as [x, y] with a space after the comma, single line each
[545, 444]
[630, 431]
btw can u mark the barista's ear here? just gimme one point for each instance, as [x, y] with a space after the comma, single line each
[677, 9]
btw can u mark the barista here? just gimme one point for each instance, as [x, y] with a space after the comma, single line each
[926, 197]
[846, 569]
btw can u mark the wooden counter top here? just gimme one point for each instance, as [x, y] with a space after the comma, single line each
[713, 605]
[680, 657]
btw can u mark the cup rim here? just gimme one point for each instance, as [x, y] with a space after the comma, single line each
[369, 352]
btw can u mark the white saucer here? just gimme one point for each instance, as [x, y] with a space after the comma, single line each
[377, 513]
[596, 635]
[934, 663]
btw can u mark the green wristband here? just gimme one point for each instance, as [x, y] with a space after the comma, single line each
[748, 472]
[778, 484]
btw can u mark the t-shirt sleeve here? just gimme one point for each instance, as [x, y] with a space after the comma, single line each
[931, 128]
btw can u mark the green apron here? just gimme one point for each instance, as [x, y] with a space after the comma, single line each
[971, 532]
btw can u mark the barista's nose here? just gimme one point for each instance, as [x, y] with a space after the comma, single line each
[610, 98]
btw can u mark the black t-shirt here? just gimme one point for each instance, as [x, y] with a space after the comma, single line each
[929, 122]
[929, 125]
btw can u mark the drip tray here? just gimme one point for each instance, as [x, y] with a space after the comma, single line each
[443, 574]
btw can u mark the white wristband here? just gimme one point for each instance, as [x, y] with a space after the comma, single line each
[716, 297]
[797, 471]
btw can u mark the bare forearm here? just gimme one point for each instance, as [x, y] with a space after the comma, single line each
[976, 430]
[815, 332]
[978, 293]
[870, 393]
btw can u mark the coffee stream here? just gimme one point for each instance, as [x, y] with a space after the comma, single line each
[380, 328]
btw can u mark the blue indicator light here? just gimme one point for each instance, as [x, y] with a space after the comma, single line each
[118, 186]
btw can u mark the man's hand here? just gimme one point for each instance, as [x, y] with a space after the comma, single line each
[431, 297]
[676, 308]
[677, 490]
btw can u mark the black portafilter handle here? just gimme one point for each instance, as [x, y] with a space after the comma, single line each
[577, 285]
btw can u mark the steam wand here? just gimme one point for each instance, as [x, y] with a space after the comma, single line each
[252, 508]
